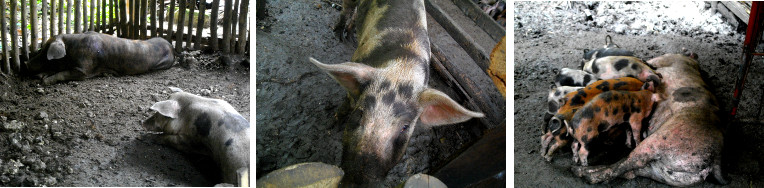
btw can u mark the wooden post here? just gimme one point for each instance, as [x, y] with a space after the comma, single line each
[44, 22]
[69, 16]
[85, 16]
[134, 18]
[77, 16]
[123, 18]
[24, 32]
[61, 16]
[199, 26]
[92, 15]
[161, 20]
[243, 27]
[227, 27]
[52, 18]
[214, 25]
[179, 30]
[171, 12]
[113, 17]
[234, 20]
[14, 37]
[153, 13]
[190, 23]
[33, 20]
[144, 30]
[103, 16]
[6, 62]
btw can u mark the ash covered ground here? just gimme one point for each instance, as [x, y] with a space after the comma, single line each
[88, 133]
[553, 35]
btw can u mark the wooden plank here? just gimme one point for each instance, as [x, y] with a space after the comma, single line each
[24, 30]
[243, 26]
[34, 22]
[485, 22]
[199, 26]
[471, 77]
[485, 158]
[161, 20]
[451, 82]
[43, 21]
[213, 25]
[737, 9]
[227, 26]
[6, 63]
[179, 33]
[77, 16]
[144, 6]
[153, 13]
[190, 23]
[171, 13]
[14, 37]
[475, 51]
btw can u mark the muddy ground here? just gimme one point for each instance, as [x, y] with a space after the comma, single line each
[553, 35]
[296, 102]
[88, 133]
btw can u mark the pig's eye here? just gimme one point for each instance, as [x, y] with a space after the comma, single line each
[405, 127]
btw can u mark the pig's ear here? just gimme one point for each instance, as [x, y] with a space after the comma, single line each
[56, 50]
[439, 109]
[169, 108]
[352, 76]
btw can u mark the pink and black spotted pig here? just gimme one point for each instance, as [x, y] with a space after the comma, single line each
[607, 110]
[386, 83]
[621, 66]
[195, 124]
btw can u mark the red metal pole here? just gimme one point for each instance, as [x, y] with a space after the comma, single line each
[752, 37]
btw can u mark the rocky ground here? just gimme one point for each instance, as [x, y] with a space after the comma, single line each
[88, 133]
[552, 35]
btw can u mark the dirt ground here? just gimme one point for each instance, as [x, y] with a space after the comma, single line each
[553, 35]
[88, 133]
[296, 102]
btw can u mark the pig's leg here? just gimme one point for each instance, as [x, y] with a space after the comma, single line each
[574, 148]
[63, 76]
[583, 154]
[557, 145]
[636, 127]
[545, 140]
[638, 159]
[348, 9]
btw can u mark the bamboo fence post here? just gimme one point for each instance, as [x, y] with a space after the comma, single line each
[161, 20]
[227, 27]
[14, 36]
[199, 26]
[24, 32]
[135, 19]
[190, 24]
[52, 18]
[153, 14]
[144, 30]
[77, 16]
[213, 25]
[123, 18]
[33, 20]
[234, 22]
[85, 17]
[112, 17]
[43, 22]
[103, 16]
[61, 16]
[69, 17]
[243, 26]
[91, 17]
[6, 62]
[171, 12]
[179, 30]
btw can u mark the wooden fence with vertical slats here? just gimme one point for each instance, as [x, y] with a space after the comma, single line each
[188, 24]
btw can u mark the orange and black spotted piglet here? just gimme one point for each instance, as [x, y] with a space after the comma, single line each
[607, 110]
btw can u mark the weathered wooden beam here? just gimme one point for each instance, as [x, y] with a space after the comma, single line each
[190, 23]
[69, 17]
[486, 96]
[123, 19]
[14, 37]
[227, 26]
[61, 17]
[737, 9]
[34, 22]
[144, 6]
[234, 23]
[485, 22]
[153, 13]
[24, 30]
[469, 45]
[171, 12]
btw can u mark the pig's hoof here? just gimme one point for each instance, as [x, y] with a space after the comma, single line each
[548, 158]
